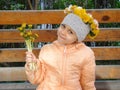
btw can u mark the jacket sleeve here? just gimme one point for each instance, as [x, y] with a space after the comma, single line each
[37, 76]
[87, 78]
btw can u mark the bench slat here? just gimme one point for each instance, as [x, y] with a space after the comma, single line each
[53, 16]
[18, 55]
[107, 53]
[14, 55]
[108, 72]
[12, 74]
[17, 86]
[106, 34]
[108, 85]
[18, 73]
[100, 85]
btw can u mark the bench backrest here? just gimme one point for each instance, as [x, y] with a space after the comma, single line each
[103, 72]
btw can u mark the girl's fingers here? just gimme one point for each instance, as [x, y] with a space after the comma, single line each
[30, 53]
[30, 57]
[33, 56]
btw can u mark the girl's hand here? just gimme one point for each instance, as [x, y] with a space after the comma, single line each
[31, 61]
[30, 57]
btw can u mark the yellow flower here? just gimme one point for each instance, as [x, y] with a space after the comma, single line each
[83, 11]
[80, 12]
[25, 35]
[22, 34]
[93, 26]
[23, 25]
[86, 18]
[77, 11]
[73, 7]
[30, 25]
[91, 37]
[29, 33]
[95, 31]
[90, 21]
[20, 28]
[32, 39]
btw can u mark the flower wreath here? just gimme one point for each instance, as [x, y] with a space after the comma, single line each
[86, 17]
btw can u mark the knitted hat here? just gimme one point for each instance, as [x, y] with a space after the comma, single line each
[77, 25]
[81, 22]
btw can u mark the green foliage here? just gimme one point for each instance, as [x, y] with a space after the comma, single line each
[16, 6]
[61, 4]
[117, 4]
[12, 4]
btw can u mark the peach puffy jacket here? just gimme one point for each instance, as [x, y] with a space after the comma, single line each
[64, 68]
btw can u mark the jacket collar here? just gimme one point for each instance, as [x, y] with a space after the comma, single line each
[68, 47]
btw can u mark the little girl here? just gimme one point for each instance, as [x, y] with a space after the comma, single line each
[67, 63]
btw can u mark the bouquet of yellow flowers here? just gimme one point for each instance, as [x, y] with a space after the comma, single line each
[26, 33]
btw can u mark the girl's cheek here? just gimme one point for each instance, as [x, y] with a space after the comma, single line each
[72, 39]
[58, 31]
[69, 38]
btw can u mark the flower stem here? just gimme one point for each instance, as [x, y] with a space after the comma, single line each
[29, 45]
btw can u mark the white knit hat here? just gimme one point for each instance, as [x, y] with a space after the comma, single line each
[76, 23]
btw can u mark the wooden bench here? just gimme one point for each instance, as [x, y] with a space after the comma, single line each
[107, 76]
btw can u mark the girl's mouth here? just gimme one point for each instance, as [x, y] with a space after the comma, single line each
[62, 37]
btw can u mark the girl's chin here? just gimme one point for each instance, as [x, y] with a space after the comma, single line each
[64, 42]
[61, 39]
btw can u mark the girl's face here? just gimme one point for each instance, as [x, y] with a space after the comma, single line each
[66, 35]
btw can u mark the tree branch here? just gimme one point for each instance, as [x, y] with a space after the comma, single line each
[30, 5]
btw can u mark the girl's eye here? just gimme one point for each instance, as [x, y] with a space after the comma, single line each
[63, 26]
[70, 31]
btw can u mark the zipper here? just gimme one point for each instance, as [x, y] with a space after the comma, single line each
[63, 66]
